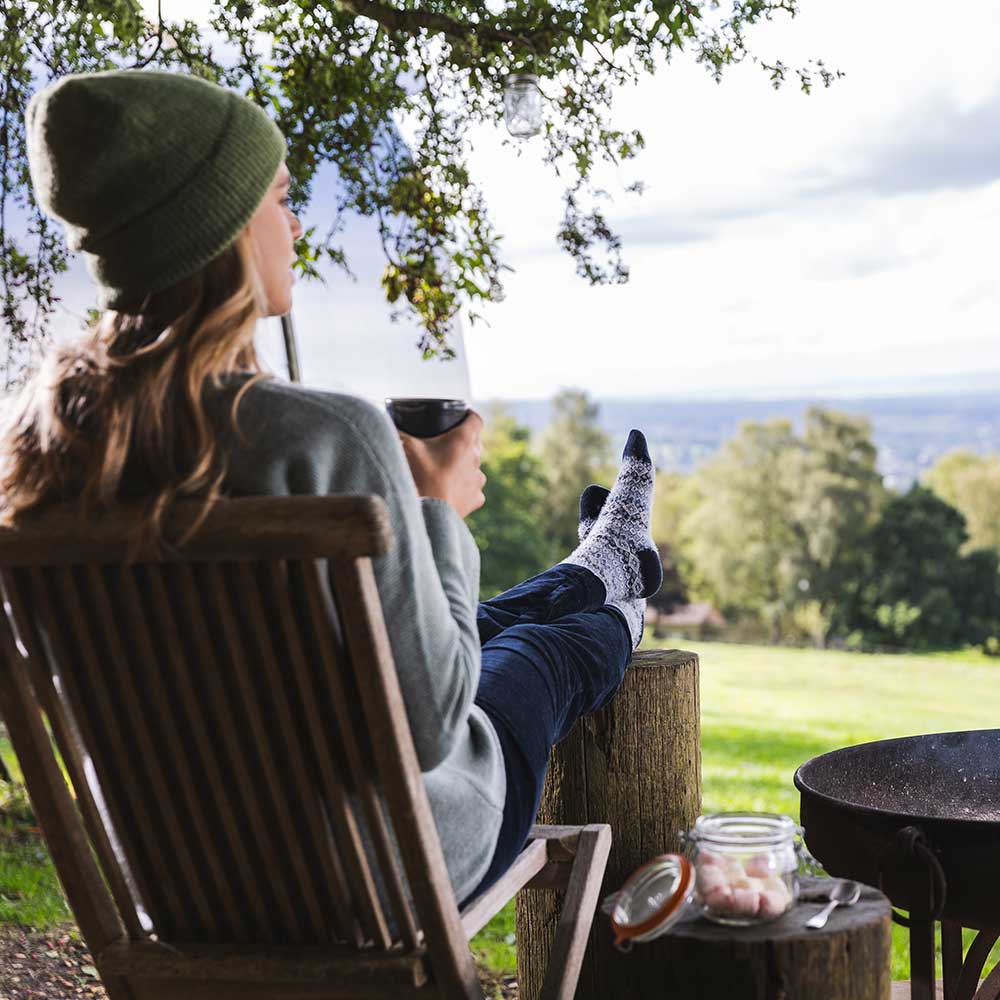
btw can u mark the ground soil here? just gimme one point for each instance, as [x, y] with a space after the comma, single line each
[56, 966]
[51, 965]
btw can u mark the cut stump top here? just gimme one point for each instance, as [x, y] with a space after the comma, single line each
[644, 659]
[871, 908]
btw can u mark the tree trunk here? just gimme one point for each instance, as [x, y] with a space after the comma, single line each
[636, 764]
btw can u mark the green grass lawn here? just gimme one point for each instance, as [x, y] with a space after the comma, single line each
[764, 711]
[29, 890]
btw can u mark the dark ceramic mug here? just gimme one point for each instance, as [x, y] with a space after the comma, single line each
[426, 418]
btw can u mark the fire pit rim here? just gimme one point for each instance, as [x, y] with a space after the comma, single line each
[802, 785]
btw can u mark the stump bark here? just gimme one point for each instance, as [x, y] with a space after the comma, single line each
[636, 764]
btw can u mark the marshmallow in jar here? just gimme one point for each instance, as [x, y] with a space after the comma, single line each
[746, 866]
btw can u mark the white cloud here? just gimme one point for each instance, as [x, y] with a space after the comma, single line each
[885, 271]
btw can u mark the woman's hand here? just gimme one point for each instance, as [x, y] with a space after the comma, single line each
[446, 467]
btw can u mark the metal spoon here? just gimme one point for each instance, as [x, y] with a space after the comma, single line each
[844, 893]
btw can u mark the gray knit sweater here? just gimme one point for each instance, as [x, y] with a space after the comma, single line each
[294, 441]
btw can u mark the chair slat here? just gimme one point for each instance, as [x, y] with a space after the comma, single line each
[241, 528]
[396, 760]
[287, 736]
[322, 761]
[237, 529]
[271, 782]
[255, 830]
[97, 717]
[341, 970]
[330, 687]
[68, 741]
[157, 754]
[174, 725]
[186, 665]
[50, 797]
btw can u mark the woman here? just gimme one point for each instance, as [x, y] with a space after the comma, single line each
[176, 191]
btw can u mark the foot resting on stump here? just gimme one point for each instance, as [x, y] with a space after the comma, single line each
[619, 548]
[592, 501]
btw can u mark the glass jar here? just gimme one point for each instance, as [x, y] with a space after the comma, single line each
[522, 104]
[746, 866]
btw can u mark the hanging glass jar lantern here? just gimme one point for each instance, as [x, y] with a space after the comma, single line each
[522, 105]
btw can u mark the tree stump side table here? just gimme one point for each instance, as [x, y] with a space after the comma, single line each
[849, 959]
[635, 764]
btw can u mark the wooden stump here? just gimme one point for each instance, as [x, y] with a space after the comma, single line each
[850, 959]
[636, 764]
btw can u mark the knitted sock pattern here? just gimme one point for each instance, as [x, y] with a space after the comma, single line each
[592, 501]
[619, 548]
[634, 612]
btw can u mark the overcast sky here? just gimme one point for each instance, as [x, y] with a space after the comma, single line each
[784, 242]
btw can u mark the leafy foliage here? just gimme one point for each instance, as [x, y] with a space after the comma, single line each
[506, 529]
[971, 484]
[838, 496]
[741, 536]
[339, 76]
[918, 590]
[672, 592]
[774, 526]
[575, 452]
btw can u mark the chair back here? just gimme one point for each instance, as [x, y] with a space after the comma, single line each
[233, 732]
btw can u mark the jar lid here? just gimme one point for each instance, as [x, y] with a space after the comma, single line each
[745, 829]
[652, 899]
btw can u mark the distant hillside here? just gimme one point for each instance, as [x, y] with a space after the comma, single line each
[911, 432]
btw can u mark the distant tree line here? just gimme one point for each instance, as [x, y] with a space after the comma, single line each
[790, 532]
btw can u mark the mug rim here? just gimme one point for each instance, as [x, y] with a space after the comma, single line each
[396, 400]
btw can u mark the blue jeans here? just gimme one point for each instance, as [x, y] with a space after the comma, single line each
[552, 652]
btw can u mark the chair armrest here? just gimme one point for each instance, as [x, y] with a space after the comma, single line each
[485, 907]
[563, 842]
[546, 863]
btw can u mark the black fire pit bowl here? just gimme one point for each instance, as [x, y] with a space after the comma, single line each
[918, 816]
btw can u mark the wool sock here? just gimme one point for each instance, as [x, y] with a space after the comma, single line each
[634, 613]
[619, 548]
[592, 501]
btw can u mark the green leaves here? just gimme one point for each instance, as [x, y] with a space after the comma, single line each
[918, 589]
[508, 530]
[777, 522]
[337, 76]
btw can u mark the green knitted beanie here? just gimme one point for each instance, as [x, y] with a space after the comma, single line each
[153, 174]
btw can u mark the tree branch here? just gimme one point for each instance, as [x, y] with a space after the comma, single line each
[159, 39]
[412, 21]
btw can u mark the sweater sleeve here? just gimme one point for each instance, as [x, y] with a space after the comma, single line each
[428, 584]
[454, 550]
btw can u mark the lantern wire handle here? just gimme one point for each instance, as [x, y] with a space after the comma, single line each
[534, 52]
[533, 69]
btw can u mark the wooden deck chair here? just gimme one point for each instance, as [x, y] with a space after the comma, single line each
[238, 736]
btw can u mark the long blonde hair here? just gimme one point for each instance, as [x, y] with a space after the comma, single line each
[120, 414]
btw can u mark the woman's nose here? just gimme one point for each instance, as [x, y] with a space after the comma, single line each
[297, 228]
